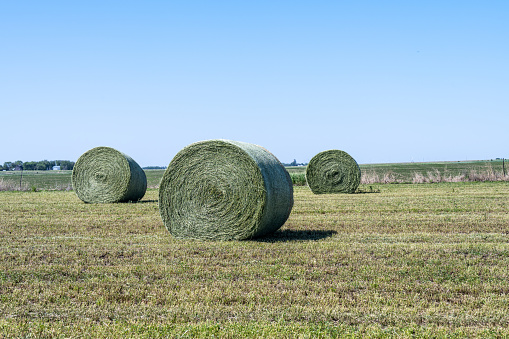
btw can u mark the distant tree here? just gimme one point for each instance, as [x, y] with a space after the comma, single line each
[30, 165]
[293, 163]
[47, 164]
[43, 165]
[17, 165]
[7, 165]
[66, 164]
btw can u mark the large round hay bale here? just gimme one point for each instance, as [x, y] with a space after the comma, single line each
[224, 190]
[105, 175]
[333, 171]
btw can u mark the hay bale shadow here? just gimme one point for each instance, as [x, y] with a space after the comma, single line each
[293, 235]
[365, 192]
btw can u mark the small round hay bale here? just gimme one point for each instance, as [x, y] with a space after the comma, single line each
[333, 171]
[105, 175]
[224, 190]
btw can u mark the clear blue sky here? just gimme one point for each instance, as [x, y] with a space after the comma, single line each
[385, 81]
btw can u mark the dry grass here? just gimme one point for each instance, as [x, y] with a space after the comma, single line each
[434, 176]
[372, 177]
[13, 186]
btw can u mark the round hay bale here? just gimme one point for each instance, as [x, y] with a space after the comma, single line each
[333, 171]
[224, 190]
[105, 175]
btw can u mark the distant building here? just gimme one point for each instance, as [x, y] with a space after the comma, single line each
[56, 168]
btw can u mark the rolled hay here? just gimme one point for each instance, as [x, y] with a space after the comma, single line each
[333, 171]
[105, 175]
[224, 190]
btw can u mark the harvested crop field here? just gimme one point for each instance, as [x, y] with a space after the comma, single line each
[399, 260]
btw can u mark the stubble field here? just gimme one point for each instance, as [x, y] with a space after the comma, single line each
[406, 260]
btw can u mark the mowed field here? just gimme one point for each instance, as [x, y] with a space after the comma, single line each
[405, 260]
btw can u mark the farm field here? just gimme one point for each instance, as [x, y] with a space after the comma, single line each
[407, 172]
[407, 260]
[399, 172]
[58, 180]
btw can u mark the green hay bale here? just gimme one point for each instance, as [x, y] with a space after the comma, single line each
[224, 190]
[105, 175]
[333, 171]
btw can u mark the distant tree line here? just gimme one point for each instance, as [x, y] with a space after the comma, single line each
[42, 165]
[154, 167]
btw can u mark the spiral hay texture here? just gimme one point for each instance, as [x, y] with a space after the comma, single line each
[105, 175]
[333, 171]
[224, 190]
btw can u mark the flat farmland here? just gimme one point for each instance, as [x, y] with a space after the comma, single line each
[408, 172]
[398, 172]
[57, 180]
[407, 260]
